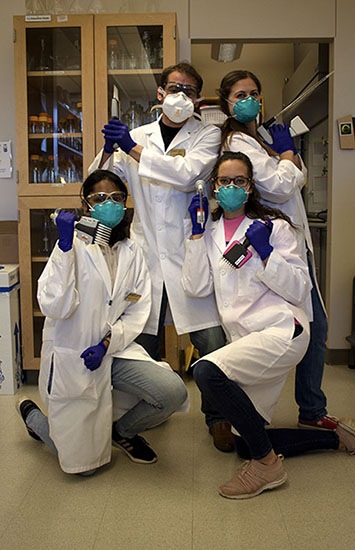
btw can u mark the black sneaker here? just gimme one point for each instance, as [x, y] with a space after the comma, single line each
[136, 448]
[24, 406]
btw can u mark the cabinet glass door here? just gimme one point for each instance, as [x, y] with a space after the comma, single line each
[38, 235]
[136, 48]
[57, 134]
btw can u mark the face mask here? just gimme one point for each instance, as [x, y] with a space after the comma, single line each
[231, 197]
[178, 107]
[109, 213]
[246, 110]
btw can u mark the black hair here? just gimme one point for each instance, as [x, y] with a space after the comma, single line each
[120, 231]
[231, 124]
[183, 67]
[253, 208]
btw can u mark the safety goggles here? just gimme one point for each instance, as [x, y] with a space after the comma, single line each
[239, 181]
[115, 196]
[175, 87]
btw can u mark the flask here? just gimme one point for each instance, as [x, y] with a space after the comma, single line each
[42, 123]
[51, 170]
[70, 129]
[35, 172]
[146, 50]
[112, 55]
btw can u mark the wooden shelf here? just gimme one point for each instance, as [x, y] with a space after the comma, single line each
[134, 71]
[55, 135]
[54, 73]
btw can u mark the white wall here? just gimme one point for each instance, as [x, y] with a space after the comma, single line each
[8, 187]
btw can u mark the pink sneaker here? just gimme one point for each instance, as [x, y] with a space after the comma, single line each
[253, 478]
[346, 434]
[324, 423]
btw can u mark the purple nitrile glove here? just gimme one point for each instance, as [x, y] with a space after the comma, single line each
[65, 225]
[281, 139]
[117, 133]
[258, 234]
[93, 356]
[197, 229]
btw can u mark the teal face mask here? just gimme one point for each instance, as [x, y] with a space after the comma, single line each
[231, 197]
[246, 110]
[109, 213]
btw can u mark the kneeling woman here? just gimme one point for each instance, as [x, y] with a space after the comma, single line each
[96, 299]
[261, 306]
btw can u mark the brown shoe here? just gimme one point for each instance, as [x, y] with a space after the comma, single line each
[223, 438]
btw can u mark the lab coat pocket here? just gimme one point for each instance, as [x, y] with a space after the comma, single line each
[247, 284]
[70, 378]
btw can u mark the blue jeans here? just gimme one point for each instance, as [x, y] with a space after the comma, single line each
[205, 340]
[161, 392]
[255, 441]
[309, 372]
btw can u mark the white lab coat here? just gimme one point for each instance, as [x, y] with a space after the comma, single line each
[257, 305]
[162, 186]
[76, 296]
[279, 183]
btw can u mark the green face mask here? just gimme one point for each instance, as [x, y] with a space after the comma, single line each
[231, 197]
[109, 213]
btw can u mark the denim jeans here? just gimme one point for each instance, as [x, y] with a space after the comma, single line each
[161, 392]
[233, 404]
[255, 441]
[309, 372]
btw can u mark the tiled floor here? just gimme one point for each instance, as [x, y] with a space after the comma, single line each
[174, 504]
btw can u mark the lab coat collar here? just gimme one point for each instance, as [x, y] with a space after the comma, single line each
[218, 235]
[153, 130]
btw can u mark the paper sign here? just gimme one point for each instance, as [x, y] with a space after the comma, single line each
[37, 18]
[5, 159]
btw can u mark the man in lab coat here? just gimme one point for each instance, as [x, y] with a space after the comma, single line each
[161, 162]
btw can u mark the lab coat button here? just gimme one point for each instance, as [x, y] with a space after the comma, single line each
[158, 227]
[158, 199]
[223, 271]
[162, 256]
[225, 303]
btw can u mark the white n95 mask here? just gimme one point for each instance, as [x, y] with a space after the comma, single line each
[178, 107]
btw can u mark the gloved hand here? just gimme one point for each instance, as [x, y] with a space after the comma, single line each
[65, 225]
[115, 132]
[93, 356]
[194, 206]
[281, 139]
[258, 234]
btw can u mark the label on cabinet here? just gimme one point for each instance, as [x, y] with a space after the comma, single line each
[37, 18]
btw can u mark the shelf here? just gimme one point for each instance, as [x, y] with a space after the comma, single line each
[55, 135]
[54, 73]
[134, 71]
[40, 259]
[37, 313]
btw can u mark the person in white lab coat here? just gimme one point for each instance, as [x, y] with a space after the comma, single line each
[161, 162]
[279, 177]
[96, 299]
[262, 309]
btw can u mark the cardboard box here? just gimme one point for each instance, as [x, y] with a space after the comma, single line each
[10, 341]
[8, 242]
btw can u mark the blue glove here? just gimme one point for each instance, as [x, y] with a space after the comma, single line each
[65, 225]
[194, 206]
[115, 132]
[93, 356]
[258, 234]
[281, 139]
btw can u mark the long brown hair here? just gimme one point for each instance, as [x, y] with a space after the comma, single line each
[253, 208]
[231, 124]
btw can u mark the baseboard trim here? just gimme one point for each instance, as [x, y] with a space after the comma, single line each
[337, 356]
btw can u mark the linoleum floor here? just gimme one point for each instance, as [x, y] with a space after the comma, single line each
[174, 504]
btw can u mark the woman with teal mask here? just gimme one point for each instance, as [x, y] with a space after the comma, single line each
[261, 304]
[96, 299]
[280, 175]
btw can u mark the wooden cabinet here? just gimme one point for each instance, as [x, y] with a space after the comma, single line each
[65, 69]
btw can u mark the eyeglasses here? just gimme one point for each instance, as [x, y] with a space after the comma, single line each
[241, 181]
[175, 87]
[115, 196]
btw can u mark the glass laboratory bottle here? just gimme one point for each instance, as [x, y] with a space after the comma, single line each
[112, 55]
[33, 124]
[44, 60]
[35, 171]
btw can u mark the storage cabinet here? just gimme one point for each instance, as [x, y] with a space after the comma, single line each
[65, 70]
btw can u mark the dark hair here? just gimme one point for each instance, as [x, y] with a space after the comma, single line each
[121, 231]
[231, 124]
[183, 67]
[253, 208]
